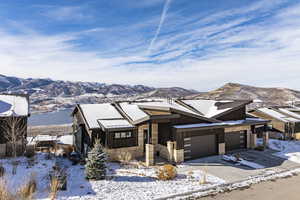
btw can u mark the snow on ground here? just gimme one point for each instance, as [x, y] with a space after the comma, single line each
[287, 149]
[241, 161]
[123, 182]
[40, 169]
[134, 183]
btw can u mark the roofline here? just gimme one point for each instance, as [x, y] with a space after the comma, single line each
[233, 109]
[221, 126]
[113, 129]
[21, 95]
[180, 101]
[85, 121]
[279, 119]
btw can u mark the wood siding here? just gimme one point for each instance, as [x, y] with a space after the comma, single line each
[122, 142]
[239, 114]
[164, 133]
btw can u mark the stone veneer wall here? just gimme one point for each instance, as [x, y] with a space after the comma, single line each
[154, 133]
[137, 151]
[178, 155]
[113, 154]
[163, 151]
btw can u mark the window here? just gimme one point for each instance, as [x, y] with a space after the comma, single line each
[123, 135]
[117, 135]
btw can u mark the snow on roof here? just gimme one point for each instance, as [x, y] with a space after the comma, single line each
[66, 139]
[115, 123]
[13, 105]
[286, 111]
[207, 107]
[94, 112]
[277, 115]
[164, 103]
[225, 123]
[133, 111]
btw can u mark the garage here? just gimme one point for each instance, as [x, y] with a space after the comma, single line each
[235, 140]
[200, 146]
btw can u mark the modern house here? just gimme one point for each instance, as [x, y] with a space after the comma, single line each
[176, 130]
[282, 119]
[14, 112]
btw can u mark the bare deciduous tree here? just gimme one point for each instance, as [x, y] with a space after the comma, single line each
[14, 129]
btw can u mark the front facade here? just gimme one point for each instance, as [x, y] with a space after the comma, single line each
[175, 130]
[282, 119]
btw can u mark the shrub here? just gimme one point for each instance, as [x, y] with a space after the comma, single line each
[260, 148]
[54, 185]
[95, 167]
[166, 172]
[203, 179]
[30, 151]
[125, 157]
[2, 171]
[4, 193]
[26, 191]
[58, 181]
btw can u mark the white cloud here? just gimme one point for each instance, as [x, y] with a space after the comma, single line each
[270, 58]
[162, 19]
[62, 13]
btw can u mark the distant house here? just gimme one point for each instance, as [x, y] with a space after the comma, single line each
[14, 110]
[176, 130]
[283, 119]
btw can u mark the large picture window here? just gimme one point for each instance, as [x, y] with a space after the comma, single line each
[123, 135]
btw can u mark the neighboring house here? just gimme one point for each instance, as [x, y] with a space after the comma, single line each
[14, 110]
[176, 130]
[282, 119]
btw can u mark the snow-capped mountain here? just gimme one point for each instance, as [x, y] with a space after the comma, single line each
[49, 95]
[260, 96]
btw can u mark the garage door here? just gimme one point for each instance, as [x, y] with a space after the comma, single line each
[200, 146]
[235, 140]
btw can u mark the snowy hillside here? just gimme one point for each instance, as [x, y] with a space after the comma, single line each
[49, 95]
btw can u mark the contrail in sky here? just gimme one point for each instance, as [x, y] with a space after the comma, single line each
[162, 19]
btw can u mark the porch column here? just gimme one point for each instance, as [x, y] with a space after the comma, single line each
[253, 140]
[221, 148]
[154, 133]
[149, 154]
[266, 139]
[170, 146]
[249, 133]
[178, 154]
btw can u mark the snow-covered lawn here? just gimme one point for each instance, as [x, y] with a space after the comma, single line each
[287, 149]
[129, 182]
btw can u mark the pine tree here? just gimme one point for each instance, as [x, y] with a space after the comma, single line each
[95, 167]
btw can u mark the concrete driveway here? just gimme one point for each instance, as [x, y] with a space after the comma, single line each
[230, 172]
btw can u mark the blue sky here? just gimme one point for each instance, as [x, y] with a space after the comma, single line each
[197, 44]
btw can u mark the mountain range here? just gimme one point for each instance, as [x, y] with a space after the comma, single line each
[49, 95]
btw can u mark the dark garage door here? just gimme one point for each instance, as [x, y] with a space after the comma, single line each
[235, 140]
[199, 146]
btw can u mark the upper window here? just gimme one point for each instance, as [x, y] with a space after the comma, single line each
[119, 135]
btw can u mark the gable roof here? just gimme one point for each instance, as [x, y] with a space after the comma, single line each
[290, 113]
[135, 109]
[128, 113]
[277, 115]
[213, 108]
[94, 112]
[13, 105]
